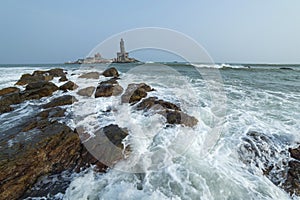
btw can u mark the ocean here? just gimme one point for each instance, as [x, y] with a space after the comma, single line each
[207, 161]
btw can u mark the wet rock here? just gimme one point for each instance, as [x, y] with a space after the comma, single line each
[178, 117]
[5, 109]
[292, 184]
[10, 99]
[108, 88]
[170, 111]
[56, 72]
[41, 76]
[61, 101]
[9, 90]
[295, 153]
[282, 167]
[90, 75]
[28, 78]
[70, 85]
[106, 144]
[156, 104]
[135, 92]
[111, 72]
[58, 150]
[7, 100]
[52, 113]
[88, 91]
[63, 79]
[115, 134]
[37, 90]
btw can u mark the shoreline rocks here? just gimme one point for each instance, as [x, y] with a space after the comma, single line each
[108, 88]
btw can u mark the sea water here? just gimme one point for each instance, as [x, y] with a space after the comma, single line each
[177, 162]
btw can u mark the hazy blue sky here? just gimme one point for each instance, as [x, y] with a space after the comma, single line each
[54, 31]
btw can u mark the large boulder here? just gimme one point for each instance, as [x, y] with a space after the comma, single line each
[135, 92]
[28, 78]
[7, 100]
[111, 72]
[87, 92]
[170, 111]
[291, 183]
[90, 75]
[58, 149]
[156, 104]
[70, 85]
[37, 90]
[9, 90]
[40, 75]
[108, 88]
[61, 101]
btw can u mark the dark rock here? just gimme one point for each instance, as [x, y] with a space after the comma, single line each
[115, 134]
[286, 68]
[111, 72]
[27, 78]
[63, 79]
[61, 101]
[90, 75]
[295, 153]
[292, 184]
[10, 99]
[178, 117]
[9, 90]
[5, 109]
[135, 92]
[155, 104]
[41, 84]
[70, 85]
[58, 150]
[37, 90]
[88, 92]
[52, 113]
[41, 76]
[108, 88]
[106, 145]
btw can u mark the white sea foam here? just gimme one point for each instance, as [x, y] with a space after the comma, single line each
[179, 162]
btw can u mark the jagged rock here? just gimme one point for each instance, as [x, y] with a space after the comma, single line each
[63, 79]
[262, 151]
[178, 117]
[9, 90]
[111, 72]
[88, 91]
[27, 78]
[106, 144]
[115, 134]
[56, 72]
[5, 109]
[155, 104]
[90, 75]
[292, 184]
[58, 150]
[61, 101]
[7, 100]
[70, 85]
[52, 113]
[41, 76]
[135, 92]
[170, 111]
[37, 90]
[108, 88]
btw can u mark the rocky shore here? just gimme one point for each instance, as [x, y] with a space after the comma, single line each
[55, 148]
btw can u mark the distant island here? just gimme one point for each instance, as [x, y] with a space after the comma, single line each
[122, 57]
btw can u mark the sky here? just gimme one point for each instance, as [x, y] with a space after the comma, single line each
[231, 31]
